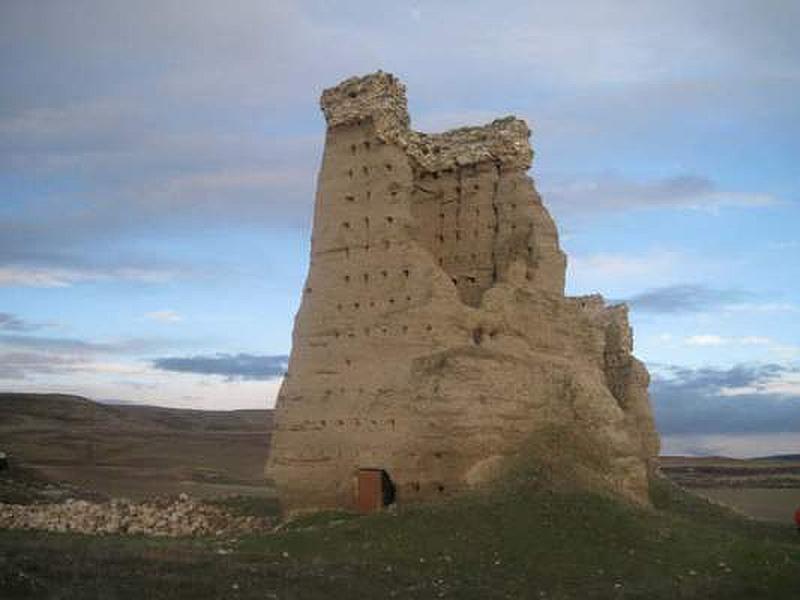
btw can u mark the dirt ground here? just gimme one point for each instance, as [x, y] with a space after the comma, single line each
[134, 451]
[763, 488]
[771, 504]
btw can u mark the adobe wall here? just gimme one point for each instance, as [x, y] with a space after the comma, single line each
[433, 338]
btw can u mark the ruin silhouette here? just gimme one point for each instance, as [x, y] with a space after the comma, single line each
[434, 346]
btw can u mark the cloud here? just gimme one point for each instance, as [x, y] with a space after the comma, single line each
[24, 365]
[9, 322]
[54, 277]
[76, 346]
[761, 307]
[741, 445]
[705, 340]
[27, 356]
[20, 365]
[232, 366]
[610, 192]
[159, 388]
[230, 180]
[160, 185]
[776, 349]
[741, 399]
[164, 316]
[124, 123]
[718, 340]
[605, 270]
[209, 116]
[684, 298]
[624, 265]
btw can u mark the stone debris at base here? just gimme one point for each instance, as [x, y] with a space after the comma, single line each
[171, 518]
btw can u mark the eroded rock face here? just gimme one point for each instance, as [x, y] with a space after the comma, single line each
[434, 340]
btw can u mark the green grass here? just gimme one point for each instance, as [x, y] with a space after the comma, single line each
[256, 506]
[524, 542]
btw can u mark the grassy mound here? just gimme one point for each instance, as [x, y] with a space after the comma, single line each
[524, 542]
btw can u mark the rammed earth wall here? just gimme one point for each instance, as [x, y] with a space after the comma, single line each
[434, 340]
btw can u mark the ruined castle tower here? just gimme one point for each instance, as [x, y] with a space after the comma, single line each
[434, 344]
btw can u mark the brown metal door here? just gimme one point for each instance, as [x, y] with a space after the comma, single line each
[370, 490]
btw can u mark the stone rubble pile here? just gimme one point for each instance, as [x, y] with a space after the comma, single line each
[177, 517]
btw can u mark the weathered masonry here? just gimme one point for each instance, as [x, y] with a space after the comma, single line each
[434, 343]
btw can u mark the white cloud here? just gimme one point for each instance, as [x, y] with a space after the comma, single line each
[229, 193]
[88, 126]
[719, 340]
[623, 265]
[607, 192]
[786, 351]
[706, 340]
[227, 179]
[46, 277]
[785, 386]
[71, 347]
[610, 272]
[761, 307]
[141, 385]
[30, 366]
[734, 445]
[164, 316]
[753, 340]
[210, 97]
[33, 277]
[114, 370]
[768, 348]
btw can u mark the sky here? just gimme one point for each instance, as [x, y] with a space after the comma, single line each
[158, 162]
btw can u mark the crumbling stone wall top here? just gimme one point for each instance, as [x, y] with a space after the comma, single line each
[503, 141]
[381, 98]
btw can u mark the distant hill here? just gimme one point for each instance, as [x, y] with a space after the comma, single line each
[786, 457]
[131, 449]
[76, 411]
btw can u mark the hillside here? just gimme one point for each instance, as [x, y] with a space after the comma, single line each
[135, 451]
[520, 541]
